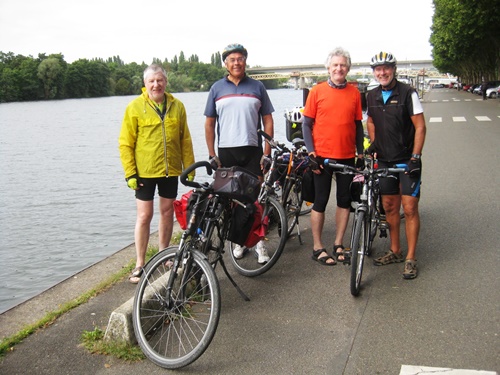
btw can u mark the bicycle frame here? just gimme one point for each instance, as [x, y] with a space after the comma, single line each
[366, 215]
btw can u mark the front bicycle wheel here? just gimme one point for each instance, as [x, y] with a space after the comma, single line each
[249, 263]
[175, 315]
[357, 252]
[292, 203]
[373, 222]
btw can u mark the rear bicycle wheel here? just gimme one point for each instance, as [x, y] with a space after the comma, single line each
[292, 203]
[357, 252]
[174, 332]
[273, 242]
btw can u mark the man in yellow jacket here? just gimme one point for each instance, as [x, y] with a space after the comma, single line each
[155, 147]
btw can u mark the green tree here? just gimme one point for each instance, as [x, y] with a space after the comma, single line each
[123, 87]
[466, 38]
[49, 72]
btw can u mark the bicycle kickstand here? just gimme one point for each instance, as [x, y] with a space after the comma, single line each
[243, 295]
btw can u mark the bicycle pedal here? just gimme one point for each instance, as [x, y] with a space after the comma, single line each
[347, 256]
[383, 233]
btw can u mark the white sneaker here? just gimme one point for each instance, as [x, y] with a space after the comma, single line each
[261, 251]
[238, 251]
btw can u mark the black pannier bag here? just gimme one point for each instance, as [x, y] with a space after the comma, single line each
[308, 193]
[237, 183]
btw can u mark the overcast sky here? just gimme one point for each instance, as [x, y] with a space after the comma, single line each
[274, 32]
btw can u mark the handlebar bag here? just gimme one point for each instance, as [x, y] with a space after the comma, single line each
[237, 183]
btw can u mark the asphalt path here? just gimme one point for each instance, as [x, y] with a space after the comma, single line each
[302, 318]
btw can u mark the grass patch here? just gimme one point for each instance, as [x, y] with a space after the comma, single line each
[94, 342]
[7, 344]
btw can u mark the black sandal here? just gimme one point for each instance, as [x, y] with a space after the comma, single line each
[341, 253]
[136, 274]
[323, 260]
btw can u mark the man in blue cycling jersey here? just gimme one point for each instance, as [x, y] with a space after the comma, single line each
[396, 127]
[237, 107]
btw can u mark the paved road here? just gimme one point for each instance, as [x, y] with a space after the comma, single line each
[302, 319]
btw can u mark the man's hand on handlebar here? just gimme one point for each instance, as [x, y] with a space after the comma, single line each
[214, 162]
[316, 163]
[414, 168]
[265, 163]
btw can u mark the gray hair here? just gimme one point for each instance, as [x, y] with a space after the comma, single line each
[339, 51]
[153, 69]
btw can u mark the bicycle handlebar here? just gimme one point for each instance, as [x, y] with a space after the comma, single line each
[192, 167]
[273, 143]
[380, 171]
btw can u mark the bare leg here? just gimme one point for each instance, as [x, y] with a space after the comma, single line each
[166, 222]
[341, 220]
[392, 203]
[317, 223]
[412, 217]
[142, 230]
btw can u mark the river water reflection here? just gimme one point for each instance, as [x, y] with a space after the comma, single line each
[64, 203]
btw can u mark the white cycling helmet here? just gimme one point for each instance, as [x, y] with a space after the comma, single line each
[295, 115]
[383, 58]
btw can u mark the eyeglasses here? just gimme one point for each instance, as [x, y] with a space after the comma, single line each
[238, 59]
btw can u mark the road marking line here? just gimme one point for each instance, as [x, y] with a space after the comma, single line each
[483, 118]
[436, 119]
[423, 370]
[459, 119]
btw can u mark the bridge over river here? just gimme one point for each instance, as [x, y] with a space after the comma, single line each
[362, 70]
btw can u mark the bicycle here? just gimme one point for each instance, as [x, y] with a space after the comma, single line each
[275, 238]
[177, 303]
[293, 163]
[367, 216]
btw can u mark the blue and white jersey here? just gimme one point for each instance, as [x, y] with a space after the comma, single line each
[238, 110]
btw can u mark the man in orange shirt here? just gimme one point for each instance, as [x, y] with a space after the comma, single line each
[333, 129]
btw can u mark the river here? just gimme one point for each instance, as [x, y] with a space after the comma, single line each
[64, 203]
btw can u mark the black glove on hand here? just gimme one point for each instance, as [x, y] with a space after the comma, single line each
[360, 163]
[214, 162]
[265, 161]
[134, 182]
[315, 162]
[414, 167]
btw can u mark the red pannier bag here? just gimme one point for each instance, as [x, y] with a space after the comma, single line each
[181, 208]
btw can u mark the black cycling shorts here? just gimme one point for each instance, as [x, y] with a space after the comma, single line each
[399, 183]
[247, 157]
[323, 186]
[167, 188]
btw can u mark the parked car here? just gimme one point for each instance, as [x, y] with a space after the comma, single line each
[492, 92]
[437, 85]
[473, 87]
[466, 87]
[477, 90]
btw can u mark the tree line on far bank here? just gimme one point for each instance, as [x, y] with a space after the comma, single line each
[48, 77]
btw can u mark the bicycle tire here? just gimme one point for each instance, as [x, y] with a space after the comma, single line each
[357, 252]
[292, 203]
[274, 242]
[373, 222]
[173, 337]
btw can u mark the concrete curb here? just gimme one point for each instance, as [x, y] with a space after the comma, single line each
[120, 326]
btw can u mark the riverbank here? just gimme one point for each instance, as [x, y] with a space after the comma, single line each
[33, 310]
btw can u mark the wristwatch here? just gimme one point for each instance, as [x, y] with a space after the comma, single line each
[415, 156]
